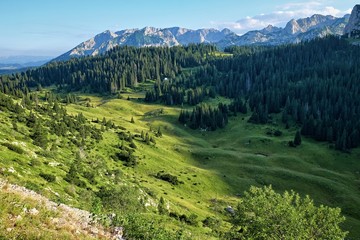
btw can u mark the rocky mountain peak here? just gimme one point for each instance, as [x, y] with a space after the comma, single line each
[292, 27]
[226, 31]
[305, 24]
[270, 29]
[353, 26]
[149, 30]
[294, 32]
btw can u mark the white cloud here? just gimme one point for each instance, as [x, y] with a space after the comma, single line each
[281, 16]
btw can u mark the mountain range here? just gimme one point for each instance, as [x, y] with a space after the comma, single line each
[14, 64]
[295, 31]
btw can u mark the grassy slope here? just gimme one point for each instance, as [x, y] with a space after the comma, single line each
[27, 215]
[213, 165]
[224, 163]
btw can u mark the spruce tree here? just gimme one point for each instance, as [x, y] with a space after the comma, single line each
[297, 138]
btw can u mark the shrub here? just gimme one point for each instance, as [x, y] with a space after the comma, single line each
[128, 159]
[168, 178]
[291, 144]
[277, 133]
[48, 177]
[14, 148]
[90, 176]
[190, 220]
[211, 222]
[138, 226]
[264, 214]
[132, 145]
[123, 199]
[34, 162]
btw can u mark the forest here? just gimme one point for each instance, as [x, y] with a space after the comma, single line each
[313, 84]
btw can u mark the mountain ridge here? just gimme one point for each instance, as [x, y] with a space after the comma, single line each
[352, 29]
[295, 31]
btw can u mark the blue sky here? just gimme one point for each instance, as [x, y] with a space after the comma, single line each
[52, 27]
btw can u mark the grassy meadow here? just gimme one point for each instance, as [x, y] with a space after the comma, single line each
[218, 166]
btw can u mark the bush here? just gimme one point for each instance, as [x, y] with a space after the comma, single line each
[125, 156]
[277, 133]
[124, 199]
[143, 227]
[168, 178]
[264, 214]
[14, 148]
[78, 182]
[132, 145]
[211, 222]
[90, 176]
[35, 162]
[291, 144]
[48, 177]
[190, 220]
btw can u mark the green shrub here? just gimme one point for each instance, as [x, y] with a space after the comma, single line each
[48, 177]
[144, 227]
[211, 222]
[126, 157]
[168, 178]
[90, 176]
[14, 148]
[122, 199]
[277, 133]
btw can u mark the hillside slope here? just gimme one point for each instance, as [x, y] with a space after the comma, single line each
[43, 218]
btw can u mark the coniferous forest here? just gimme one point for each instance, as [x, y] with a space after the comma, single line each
[313, 84]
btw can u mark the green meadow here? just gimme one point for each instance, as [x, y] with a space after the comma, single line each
[220, 165]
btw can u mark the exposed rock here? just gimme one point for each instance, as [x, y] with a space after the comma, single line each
[230, 210]
[76, 220]
[33, 211]
[353, 26]
[148, 36]
[295, 31]
[118, 233]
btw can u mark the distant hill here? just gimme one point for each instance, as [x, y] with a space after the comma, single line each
[295, 31]
[14, 64]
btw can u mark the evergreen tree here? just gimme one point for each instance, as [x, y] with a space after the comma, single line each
[39, 136]
[297, 138]
[162, 207]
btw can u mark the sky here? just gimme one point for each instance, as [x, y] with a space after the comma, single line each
[52, 27]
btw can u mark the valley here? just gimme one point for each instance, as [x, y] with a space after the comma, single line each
[215, 167]
[173, 133]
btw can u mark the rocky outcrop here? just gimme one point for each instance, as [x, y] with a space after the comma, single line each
[65, 217]
[352, 29]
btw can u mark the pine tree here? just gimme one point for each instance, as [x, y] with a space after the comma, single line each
[297, 138]
[159, 133]
[162, 207]
[39, 136]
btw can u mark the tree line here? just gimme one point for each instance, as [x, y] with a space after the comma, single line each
[314, 85]
[109, 73]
